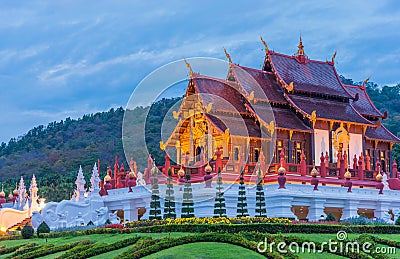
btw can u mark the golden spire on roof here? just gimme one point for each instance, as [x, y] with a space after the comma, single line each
[300, 47]
[265, 44]
[228, 56]
[189, 66]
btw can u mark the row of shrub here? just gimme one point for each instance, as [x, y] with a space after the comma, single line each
[6, 250]
[46, 250]
[217, 220]
[150, 246]
[100, 248]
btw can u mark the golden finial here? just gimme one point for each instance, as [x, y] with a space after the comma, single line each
[333, 57]
[251, 96]
[379, 176]
[314, 172]
[228, 56]
[208, 168]
[347, 175]
[265, 44]
[366, 81]
[281, 170]
[300, 47]
[188, 66]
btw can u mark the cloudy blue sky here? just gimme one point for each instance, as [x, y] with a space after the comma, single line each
[63, 59]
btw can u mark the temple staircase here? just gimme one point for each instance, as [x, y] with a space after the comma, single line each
[20, 224]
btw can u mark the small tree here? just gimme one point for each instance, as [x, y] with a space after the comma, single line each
[187, 201]
[219, 206]
[43, 228]
[27, 231]
[330, 217]
[169, 205]
[155, 205]
[260, 197]
[242, 199]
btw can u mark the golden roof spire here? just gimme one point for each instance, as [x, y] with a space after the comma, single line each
[228, 56]
[366, 81]
[300, 47]
[265, 45]
[190, 68]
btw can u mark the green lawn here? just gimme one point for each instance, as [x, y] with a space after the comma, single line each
[204, 250]
[187, 251]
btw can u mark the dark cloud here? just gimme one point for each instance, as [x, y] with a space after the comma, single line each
[67, 58]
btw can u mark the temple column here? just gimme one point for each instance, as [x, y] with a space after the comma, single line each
[390, 161]
[374, 159]
[350, 208]
[316, 209]
[313, 148]
[178, 152]
[290, 147]
[330, 146]
[130, 211]
[381, 208]
[191, 148]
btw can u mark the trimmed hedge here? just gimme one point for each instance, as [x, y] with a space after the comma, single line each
[12, 249]
[236, 228]
[153, 245]
[28, 247]
[77, 249]
[49, 249]
[101, 248]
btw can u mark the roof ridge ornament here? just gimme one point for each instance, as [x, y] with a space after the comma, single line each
[228, 56]
[333, 57]
[366, 81]
[189, 66]
[265, 45]
[300, 51]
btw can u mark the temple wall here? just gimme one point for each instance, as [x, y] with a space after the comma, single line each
[321, 144]
[355, 146]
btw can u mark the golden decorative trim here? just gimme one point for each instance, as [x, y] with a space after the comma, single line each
[162, 146]
[366, 81]
[313, 118]
[175, 114]
[376, 144]
[290, 87]
[251, 96]
[265, 45]
[290, 134]
[190, 68]
[391, 146]
[228, 56]
[333, 57]
[208, 107]
[331, 125]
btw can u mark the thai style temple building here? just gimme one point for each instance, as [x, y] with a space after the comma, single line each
[294, 112]
[317, 145]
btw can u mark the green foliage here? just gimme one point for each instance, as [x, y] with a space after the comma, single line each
[187, 210]
[169, 204]
[27, 231]
[43, 228]
[397, 221]
[261, 210]
[219, 205]
[242, 199]
[330, 217]
[54, 152]
[155, 205]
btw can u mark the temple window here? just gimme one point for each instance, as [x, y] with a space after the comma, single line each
[236, 153]
[256, 154]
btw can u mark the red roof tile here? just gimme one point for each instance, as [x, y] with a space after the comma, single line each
[327, 109]
[263, 83]
[310, 76]
[238, 126]
[364, 104]
[381, 133]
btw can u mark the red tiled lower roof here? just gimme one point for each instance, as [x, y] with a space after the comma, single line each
[381, 133]
[327, 109]
[364, 104]
[238, 126]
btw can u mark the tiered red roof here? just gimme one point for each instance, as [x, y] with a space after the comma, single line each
[381, 133]
[364, 104]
